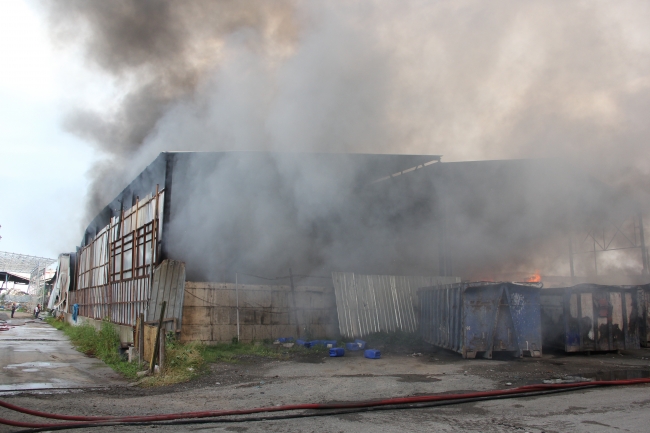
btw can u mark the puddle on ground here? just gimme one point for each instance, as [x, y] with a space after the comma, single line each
[37, 365]
[28, 386]
[618, 375]
[406, 378]
[597, 376]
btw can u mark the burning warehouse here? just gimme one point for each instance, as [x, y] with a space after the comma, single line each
[401, 214]
[398, 185]
[245, 243]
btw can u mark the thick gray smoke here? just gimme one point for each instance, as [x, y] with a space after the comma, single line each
[159, 51]
[468, 80]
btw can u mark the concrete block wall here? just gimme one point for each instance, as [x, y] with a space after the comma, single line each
[265, 312]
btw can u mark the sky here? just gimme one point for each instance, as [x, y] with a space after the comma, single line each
[44, 169]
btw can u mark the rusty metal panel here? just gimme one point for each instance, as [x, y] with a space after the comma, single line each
[643, 297]
[168, 285]
[378, 303]
[473, 318]
[114, 270]
[591, 317]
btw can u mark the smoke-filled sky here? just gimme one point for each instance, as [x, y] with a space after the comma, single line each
[121, 81]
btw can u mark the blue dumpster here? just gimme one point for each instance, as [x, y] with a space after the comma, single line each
[482, 318]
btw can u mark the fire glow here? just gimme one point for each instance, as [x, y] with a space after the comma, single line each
[535, 278]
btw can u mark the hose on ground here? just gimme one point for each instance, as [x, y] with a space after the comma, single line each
[311, 414]
[396, 402]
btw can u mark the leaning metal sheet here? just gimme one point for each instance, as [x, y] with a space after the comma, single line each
[379, 303]
[169, 286]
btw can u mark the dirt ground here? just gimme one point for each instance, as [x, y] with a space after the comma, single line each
[315, 378]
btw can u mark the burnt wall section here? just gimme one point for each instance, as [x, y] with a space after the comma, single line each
[644, 314]
[591, 318]
[141, 186]
[265, 312]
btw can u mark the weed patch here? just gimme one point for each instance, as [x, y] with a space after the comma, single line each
[103, 344]
[183, 362]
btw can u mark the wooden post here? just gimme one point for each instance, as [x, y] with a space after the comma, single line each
[157, 341]
[161, 349]
[237, 300]
[141, 339]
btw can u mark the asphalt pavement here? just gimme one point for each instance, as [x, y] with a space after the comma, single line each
[36, 356]
[39, 366]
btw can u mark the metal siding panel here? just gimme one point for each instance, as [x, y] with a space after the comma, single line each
[378, 303]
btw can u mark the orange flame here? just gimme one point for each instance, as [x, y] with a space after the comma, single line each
[535, 278]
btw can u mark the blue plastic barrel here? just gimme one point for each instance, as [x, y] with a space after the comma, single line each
[372, 354]
[361, 343]
[329, 343]
[337, 351]
[303, 343]
[285, 339]
[351, 346]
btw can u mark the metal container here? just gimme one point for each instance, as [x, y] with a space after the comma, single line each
[644, 315]
[590, 318]
[474, 318]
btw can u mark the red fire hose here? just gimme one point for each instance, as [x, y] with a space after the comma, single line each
[83, 421]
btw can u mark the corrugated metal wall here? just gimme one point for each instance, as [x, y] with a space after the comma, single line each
[379, 303]
[114, 269]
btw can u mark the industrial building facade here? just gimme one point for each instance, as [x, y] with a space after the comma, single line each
[238, 220]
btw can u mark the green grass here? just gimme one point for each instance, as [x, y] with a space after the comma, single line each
[103, 344]
[183, 362]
